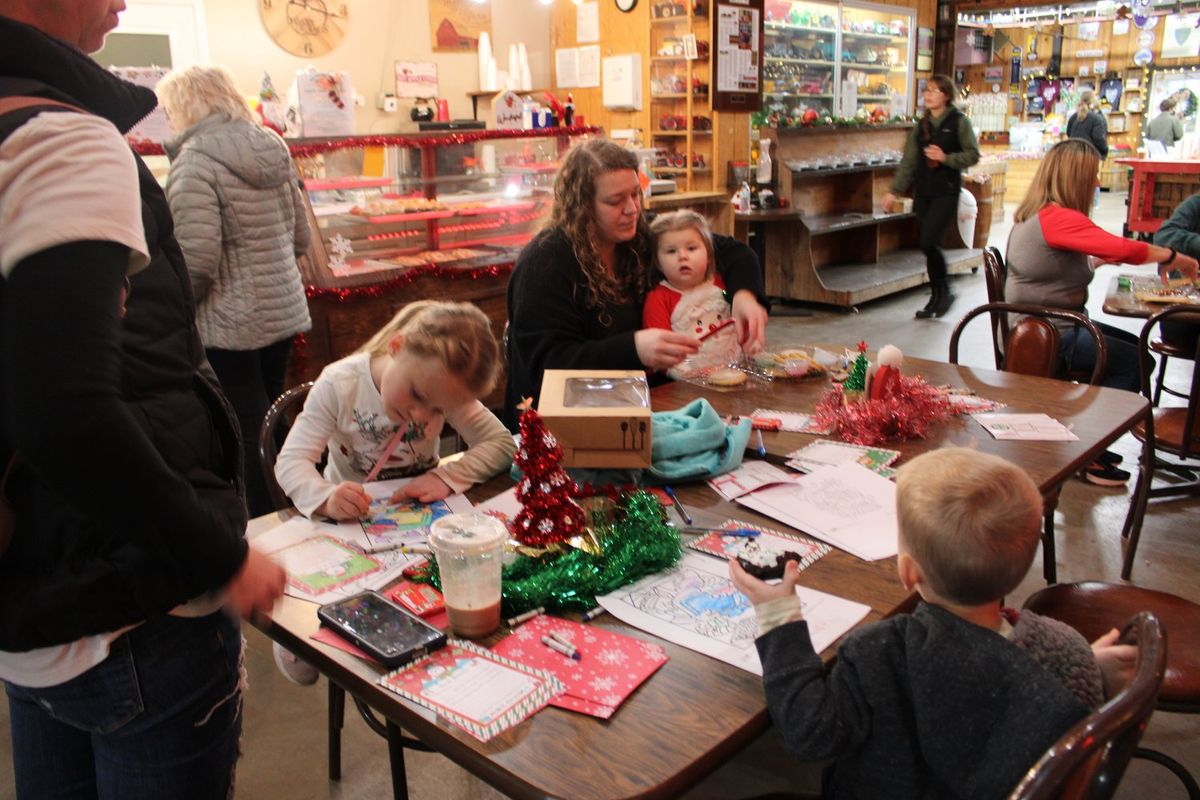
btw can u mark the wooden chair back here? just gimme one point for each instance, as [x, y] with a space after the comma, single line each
[1031, 345]
[995, 273]
[1090, 759]
[285, 407]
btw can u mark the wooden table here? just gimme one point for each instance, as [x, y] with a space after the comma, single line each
[1121, 301]
[697, 712]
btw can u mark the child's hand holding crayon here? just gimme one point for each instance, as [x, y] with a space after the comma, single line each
[347, 501]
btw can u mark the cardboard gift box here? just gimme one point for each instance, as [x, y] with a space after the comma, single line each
[600, 417]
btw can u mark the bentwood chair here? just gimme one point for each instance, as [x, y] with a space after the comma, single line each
[285, 409]
[1031, 348]
[1173, 431]
[995, 273]
[1094, 607]
[1090, 759]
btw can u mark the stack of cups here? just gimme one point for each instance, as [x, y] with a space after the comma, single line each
[469, 549]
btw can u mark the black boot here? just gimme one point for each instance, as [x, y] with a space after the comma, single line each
[931, 307]
[944, 300]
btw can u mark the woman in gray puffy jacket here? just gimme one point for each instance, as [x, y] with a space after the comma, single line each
[240, 221]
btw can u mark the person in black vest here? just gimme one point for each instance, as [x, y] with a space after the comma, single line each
[937, 151]
[123, 551]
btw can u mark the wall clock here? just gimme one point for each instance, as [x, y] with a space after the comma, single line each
[306, 28]
[626, 5]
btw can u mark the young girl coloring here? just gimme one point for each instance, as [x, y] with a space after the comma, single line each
[691, 297]
[380, 413]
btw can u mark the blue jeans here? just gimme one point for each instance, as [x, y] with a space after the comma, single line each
[160, 717]
[1078, 350]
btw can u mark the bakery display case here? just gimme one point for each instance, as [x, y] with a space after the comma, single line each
[681, 118]
[404, 218]
[818, 53]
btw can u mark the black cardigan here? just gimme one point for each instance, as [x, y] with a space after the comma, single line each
[550, 325]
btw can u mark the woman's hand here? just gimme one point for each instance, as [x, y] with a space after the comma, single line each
[760, 592]
[889, 203]
[751, 320]
[660, 349]
[935, 153]
[425, 489]
[256, 586]
[348, 500]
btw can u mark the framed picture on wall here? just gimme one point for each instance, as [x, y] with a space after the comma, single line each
[924, 49]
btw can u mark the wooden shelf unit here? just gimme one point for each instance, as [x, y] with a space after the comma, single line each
[845, 249]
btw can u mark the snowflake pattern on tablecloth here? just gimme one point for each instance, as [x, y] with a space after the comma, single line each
[602, 684]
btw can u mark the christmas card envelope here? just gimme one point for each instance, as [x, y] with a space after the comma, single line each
[479, 691]
[601, 418]
[610, 665]
[765, 549]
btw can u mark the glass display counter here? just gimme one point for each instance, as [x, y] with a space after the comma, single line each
[404, 218]
[817, 52]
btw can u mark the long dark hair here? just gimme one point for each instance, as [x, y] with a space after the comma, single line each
[946, 86]
[574, 194]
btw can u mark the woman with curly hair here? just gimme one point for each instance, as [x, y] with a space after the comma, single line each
[575, 297]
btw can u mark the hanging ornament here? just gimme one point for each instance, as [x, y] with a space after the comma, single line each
[1143, 57]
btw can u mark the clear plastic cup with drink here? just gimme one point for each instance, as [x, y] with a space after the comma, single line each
[469, 549]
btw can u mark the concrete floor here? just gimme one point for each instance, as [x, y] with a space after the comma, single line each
[285, 747]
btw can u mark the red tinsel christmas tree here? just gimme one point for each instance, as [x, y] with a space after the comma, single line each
[549, 513]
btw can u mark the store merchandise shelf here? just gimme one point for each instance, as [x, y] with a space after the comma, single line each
[807, 61]
[829, 223]
[814, 171]
[874, 37]
[783, 27]
[848, 65]
[352, 182]
[794, 94]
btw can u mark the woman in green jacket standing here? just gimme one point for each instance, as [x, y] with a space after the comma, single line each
[939, 148]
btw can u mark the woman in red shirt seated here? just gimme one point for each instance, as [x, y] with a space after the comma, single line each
[1053, 251]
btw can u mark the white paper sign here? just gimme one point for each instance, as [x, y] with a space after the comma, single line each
[416, 79]
[507, 108]
[154, 128]
[587, 22]
[326, 103]
[589, 67]
[566, 67]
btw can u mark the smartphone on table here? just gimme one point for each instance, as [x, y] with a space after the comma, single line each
[380, 628]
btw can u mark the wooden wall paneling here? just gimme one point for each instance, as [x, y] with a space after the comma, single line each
[620, 33]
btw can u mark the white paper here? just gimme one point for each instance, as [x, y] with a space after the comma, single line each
[695, 605]
[750, 476]
[154, 127]
[848, 506]
[326, 102]
[566, 67]
[1025, 427]
[589, 67]
[350, 533]
[587, 22]
[480, 690]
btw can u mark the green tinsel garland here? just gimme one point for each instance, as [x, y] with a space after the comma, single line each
[638, 544]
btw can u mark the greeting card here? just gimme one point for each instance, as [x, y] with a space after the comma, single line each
[610, 665]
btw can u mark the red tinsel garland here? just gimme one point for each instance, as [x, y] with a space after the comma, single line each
[348, 293]
[308, 149]
[908, 414]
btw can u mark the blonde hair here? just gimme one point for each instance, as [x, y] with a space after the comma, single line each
[1066, 176]
[458, 335]
[574, 213]
[1087, 100]
[189, 95]
[683, 220]
[972, 521]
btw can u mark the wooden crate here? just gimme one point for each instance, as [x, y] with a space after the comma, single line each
[1170, 191]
